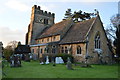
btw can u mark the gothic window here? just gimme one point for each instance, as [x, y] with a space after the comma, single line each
[62, 50]
[78, 50]
[47, 50]
[66, 50]
[97, 42]
[41, 50]
[45, 21]
[53, 49]
[32, 51]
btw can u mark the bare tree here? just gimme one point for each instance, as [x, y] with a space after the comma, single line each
[113, 32]
[13, 44]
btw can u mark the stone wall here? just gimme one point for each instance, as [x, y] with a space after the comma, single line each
[73, 51]
[106, 54]
[40, 20]
[48, 39]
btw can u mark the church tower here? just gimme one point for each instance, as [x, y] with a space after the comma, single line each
[40, 20]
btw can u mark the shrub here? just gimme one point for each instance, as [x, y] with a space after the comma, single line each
[50, 56]
[53, 56]
[65, 57]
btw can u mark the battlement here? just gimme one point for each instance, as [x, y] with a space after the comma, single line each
[37, 10]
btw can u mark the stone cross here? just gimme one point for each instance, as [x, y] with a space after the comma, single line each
[69, 64]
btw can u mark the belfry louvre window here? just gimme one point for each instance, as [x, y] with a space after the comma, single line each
[97, 42]
[45, 21]
[78, 50]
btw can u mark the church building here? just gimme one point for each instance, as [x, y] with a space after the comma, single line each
[81, 39]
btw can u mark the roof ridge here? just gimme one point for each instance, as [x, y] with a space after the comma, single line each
[91, 26]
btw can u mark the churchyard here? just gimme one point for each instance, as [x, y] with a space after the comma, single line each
[34, 69]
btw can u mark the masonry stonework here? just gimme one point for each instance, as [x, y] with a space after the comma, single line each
[67, 36]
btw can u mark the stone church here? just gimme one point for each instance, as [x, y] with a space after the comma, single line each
[81, 39]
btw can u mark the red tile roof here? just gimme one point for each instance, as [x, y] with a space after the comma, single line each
[55, 29]
[74, 34]
[77, 32]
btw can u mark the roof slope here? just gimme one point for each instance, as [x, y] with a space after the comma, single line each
[22, 49]
[55, 29]
[77, 32]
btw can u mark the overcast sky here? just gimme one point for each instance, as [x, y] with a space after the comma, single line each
[15, 14]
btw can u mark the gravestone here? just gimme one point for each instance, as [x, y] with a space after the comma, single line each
[47, 60]
[15, 61]
[69, 64]
[59, 60]
[42, 63]
[27, 58]
[11, 61]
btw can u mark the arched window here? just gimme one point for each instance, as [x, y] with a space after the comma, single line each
[53, 49]
[78, 50]
[62, 50]
[41, 50]
[45, 21]
[97, 41]
[66, 50]
[47, 50]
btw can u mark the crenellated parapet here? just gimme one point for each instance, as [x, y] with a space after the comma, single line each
[37, 10]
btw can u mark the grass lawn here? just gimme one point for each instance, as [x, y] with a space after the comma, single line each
[35, 70]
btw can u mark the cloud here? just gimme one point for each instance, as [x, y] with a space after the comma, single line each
[47, 7]
[17, 5]
[75, 0]
[7, 35]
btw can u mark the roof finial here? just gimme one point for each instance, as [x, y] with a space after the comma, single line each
[96, 12]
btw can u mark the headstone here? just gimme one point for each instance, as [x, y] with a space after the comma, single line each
[47, 60]
[59, 60]
[42, 63]
[15, 61]
[69, 64]
[12, 63]
[27, 57]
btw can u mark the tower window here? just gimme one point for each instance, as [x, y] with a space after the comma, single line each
[45, 21]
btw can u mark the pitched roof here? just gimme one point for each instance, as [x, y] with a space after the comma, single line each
[21, 49]
[55, 29]
[77, 32]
